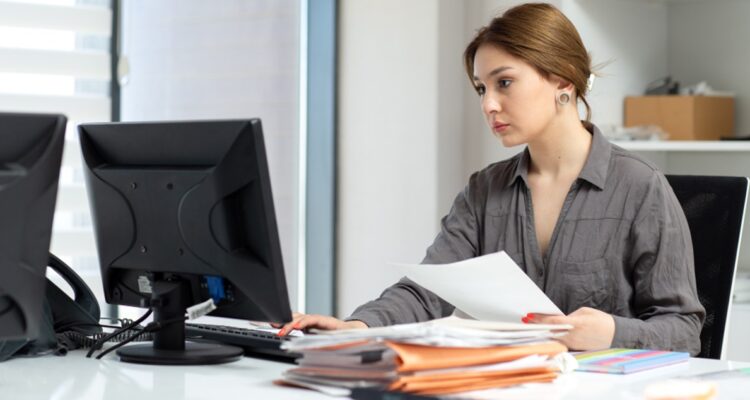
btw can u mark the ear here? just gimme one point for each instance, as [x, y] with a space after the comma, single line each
[563, 84]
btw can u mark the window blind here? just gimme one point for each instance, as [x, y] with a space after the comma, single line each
[55, 57]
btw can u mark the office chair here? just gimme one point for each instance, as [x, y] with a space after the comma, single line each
[715, 209]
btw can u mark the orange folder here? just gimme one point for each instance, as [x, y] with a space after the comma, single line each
[474, 375]
[469, 384]
[418, 358]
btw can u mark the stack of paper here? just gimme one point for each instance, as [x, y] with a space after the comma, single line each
[448, 355]
[438, 357]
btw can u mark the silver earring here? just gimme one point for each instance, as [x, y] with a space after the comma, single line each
[563, 98]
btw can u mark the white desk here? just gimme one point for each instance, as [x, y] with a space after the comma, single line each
[76, 377]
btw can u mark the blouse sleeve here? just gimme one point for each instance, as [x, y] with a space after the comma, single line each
[665, 299]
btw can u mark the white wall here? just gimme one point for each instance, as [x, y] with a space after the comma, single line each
[709, 41]
[399, 110]
[633, 46]
[451, 108]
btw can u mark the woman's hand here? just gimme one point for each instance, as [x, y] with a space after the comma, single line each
[592, 329]
[305, 321]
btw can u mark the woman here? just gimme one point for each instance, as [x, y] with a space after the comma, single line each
[596, 227]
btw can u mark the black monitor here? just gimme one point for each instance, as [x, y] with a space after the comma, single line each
[183, 213]
[30, 154]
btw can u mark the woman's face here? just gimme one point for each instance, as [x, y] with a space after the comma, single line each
[517, 102]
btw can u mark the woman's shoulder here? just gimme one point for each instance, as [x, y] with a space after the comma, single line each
[638, 176]
[627, 165]
[497, 175]
[498, 172]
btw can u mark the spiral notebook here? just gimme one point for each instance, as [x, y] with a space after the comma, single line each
[625, 361]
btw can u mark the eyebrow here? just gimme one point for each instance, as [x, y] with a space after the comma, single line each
[495, 72]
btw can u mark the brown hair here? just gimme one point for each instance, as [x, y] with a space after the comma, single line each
[542, 36]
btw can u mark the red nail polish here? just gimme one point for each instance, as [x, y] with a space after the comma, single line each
[525, 320]
[530, 315]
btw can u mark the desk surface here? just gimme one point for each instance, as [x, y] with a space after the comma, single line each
[76, 377]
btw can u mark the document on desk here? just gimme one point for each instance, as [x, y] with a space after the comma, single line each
[491, 287]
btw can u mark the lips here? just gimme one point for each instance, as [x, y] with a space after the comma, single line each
[499, 126]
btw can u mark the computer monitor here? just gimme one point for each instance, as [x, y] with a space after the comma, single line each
[182, 213]
[30, 154]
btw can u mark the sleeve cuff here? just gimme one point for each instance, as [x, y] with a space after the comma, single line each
[626, 333]
[369, 318]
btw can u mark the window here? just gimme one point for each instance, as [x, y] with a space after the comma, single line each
[197, 59]
[55, 57]
[182, 60]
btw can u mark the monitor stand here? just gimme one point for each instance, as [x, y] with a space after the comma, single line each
[169, 346]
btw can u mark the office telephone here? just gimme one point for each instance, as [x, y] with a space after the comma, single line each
[63, 319]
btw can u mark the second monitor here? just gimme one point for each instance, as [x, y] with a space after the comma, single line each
[183, 213]
[31, 147]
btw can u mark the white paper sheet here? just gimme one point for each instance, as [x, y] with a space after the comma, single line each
[443, 332]
[491, 287]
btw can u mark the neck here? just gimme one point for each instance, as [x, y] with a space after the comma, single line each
[561, 149]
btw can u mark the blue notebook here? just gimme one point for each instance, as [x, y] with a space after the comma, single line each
[625, 361]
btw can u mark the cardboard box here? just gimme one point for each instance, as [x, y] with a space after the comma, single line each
[683, 117]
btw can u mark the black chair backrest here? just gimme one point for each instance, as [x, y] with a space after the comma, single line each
[715, 208]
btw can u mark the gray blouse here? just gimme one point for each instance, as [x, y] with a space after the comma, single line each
[621, 245]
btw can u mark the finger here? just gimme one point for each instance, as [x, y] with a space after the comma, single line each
[547, 319]
[313, 321]
[552, 320]
[286, 328]
[323, 322]
[295, 317]
[302, 322]
[584, 311]
[306, 323]
[530, 317]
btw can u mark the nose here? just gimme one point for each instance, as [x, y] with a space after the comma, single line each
[490, 105]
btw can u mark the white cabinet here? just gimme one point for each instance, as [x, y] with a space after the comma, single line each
[739, 332]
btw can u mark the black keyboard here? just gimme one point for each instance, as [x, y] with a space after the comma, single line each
[255, 342]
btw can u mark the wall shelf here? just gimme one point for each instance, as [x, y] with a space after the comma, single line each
[685, 145]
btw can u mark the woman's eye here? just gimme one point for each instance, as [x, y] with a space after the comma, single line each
[504, 83]
[480, 90]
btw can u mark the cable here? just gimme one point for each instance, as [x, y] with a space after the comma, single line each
[81, 324]
[120, 344]
[79, 340]
[130, 326]
[150, 328]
